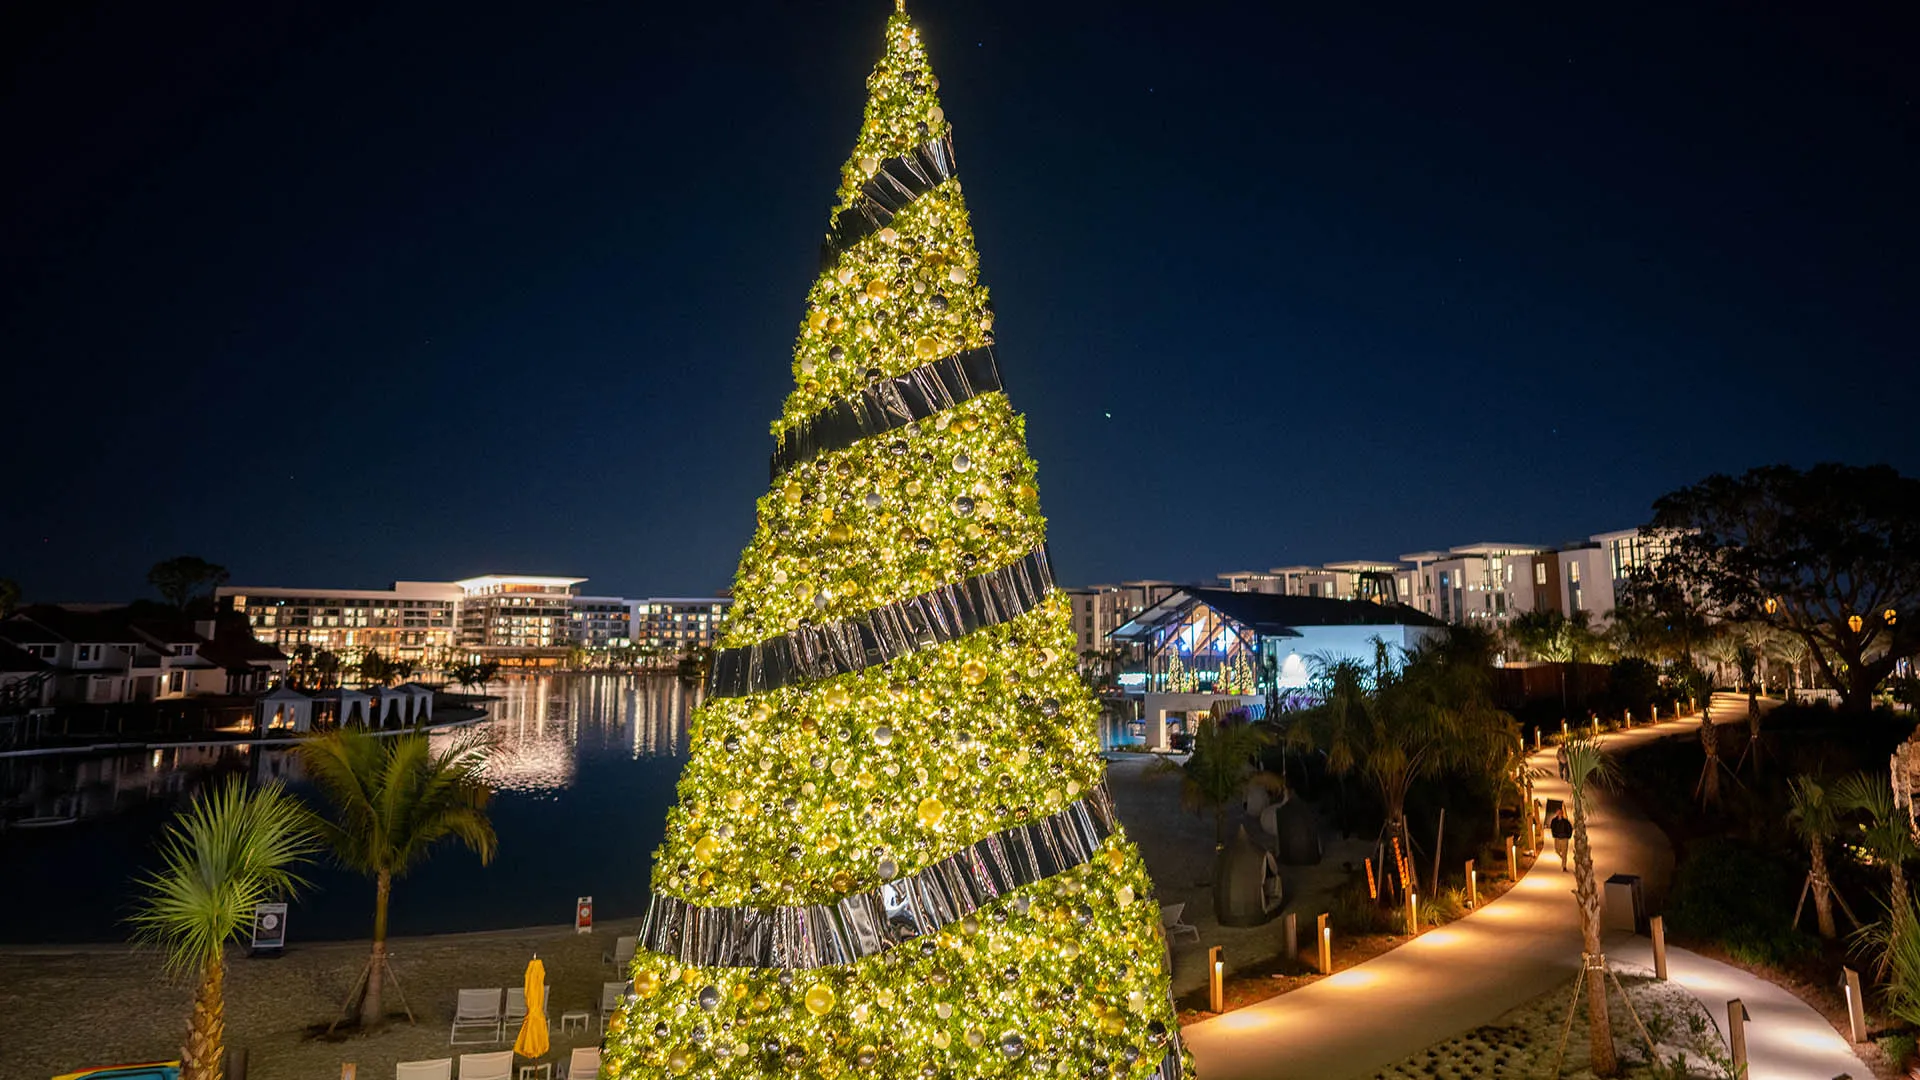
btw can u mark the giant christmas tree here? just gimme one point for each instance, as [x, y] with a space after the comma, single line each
[893, 853]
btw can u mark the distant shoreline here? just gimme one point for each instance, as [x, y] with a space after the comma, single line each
[460, 720]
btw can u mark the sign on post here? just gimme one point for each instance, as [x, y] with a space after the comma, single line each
[269, 928]
[583, 915]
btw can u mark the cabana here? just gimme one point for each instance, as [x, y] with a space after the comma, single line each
[286, 709]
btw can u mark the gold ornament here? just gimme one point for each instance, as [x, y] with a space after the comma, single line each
[645, 983]
[819, 999]
[931, 810]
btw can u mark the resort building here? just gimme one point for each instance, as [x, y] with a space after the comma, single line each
[518, 619]
[1099, 610]
[679, 625]
[601, 622]
[107, 656]
[412, 620]
[516, 616]
[1198, 646]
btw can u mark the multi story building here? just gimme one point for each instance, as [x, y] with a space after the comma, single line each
[97, 655]
[601, 622]
[679, 625]
[1099, 610]
[412, 620]
[516, 618]
[516, 615]
[1478, 583]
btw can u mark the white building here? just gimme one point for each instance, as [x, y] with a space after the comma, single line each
[679, 625]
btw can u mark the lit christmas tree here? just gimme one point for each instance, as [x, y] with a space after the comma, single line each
[893, 853]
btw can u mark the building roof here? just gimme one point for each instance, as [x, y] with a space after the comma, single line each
[1361, 566]
[1273, 615]
[14, 660]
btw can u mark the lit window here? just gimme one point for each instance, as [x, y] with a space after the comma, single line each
[1539, 573]
[1573, 572]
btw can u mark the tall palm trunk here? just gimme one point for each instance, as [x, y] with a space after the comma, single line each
[201, 1057]
[1822, 891]
[1710, 774]
[1587, 895]
[371, 1007]
[1901, 898]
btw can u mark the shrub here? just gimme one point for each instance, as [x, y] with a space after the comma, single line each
[1353, 912]
[1898, 1048]
[1730, 895]
[1448, 906]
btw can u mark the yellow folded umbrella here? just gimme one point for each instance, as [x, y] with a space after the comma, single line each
[533, 1030]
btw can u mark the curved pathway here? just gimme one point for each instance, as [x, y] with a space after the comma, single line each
[1511, 950]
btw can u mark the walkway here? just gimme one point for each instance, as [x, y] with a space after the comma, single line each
[1468, 973]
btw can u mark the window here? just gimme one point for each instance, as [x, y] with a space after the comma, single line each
[1573, 572]
[1539, 573]
[86, 654]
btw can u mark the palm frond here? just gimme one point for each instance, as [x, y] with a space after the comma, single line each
[232, 849]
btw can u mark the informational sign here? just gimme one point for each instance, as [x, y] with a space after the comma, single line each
[269, 927]
[583, 915]
[348, 1070]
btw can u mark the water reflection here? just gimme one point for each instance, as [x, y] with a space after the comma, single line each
[583, 777]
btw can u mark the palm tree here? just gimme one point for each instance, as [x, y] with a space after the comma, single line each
[1883, 830]
[1589, 766]
[229, 851]
[1397, 724]
[393, 799]
[1814, 820]
[1225, 759]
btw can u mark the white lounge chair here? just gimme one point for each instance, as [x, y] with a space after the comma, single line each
[497, 1066]
[583, 1065]
[610, 995]
[1170, 920]
[437, 1069]
[477, 1017]
[623, 950]
[517, 1006]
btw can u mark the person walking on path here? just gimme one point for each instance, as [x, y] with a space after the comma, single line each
[1562, 833]
[1560, 756]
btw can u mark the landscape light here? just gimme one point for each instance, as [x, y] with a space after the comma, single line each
[1855, 622]
[1326, 946]
[1216, 980]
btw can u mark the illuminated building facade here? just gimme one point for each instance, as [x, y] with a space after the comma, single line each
[678, 625]
[1199, 646]
[412, 620]
[516, 615]
[601, 622]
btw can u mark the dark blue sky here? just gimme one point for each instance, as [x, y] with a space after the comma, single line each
[367, 292]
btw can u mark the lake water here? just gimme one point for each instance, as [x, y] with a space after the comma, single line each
[582, 785]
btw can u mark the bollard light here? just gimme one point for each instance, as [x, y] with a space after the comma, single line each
[1325, 935]
[1513, 861]
[1473, 885]
[1658, 927]
[1216, 980]
[1292, 929]
[1737, 1017]
[1413, 913]
[1655, 714]
[1536, 737]
[1856, 1011]
[1563, 727]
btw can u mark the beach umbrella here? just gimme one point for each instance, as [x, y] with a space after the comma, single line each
[533, 1030]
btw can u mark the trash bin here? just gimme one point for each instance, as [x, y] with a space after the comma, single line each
[1623, 904]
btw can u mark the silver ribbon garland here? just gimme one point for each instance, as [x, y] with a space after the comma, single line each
[884, 634]
[871, 922]
[895, 184]
[887, 404]
[1170, 1066]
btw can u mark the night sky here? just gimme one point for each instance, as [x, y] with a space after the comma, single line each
[354, 293]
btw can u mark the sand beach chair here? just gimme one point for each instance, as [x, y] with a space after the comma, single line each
[623, 950]
[476, 1018]
[496, 1066]
[1170, 921]
[583, 1065]
[436, 1069]
[610, 995]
